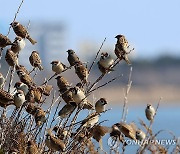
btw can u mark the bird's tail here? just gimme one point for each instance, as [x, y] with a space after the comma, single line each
[31, 40]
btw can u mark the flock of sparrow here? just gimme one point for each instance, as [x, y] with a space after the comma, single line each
[29, 95]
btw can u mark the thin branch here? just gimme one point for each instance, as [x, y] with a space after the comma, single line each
[126, 95]
[15, 16]
[97, 55]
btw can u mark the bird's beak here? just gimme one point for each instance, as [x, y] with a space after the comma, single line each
[11, 24]
[115, 37]
[51, 63]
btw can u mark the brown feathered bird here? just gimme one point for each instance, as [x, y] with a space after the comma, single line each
[18, 45]
[4, 41]
[58, 67]
[5, 98]
[72, 57]
[62, 82]
[129, 130]
[53, 142]
[35, 60]
[121, 48]
[81, 72]
[100, 105]
[11, 58]
[25, 78]
[21, 31]
[32, 148]
[66, 95]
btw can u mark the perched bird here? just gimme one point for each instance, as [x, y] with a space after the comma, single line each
[67, 109]
[121, 48]
[62, 82]
[58, 67]
[11, 58]
[66, 95]
[100, 105]
[90, 121]
[129, 130]
[19, 98]
[18, 45]
[5, 98]
[22, 68]
[21, 86]
[81, 71]
[150, 112]
[35, 60]
[4, 41]
[30, 96]
[2, 80]
[32, 148]
[40, 116]
[80, 98]
[25, 78]
[21, 31]
[140, 135]
[72, 57]
[105, 63]
[37, 94]
[53, 142]
[46, 89]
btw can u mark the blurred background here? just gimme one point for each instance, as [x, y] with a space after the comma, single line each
[151, 27]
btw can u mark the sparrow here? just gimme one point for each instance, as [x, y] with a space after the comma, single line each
[40, 116]
[25, 78]
[4, 41]
[22, 68]
[46, 89]
[53, 142]
[129, 130]
[72, 57]
[67, 109]
[35, 60]
[90, 120]
[19, 98]
[21, 86]
[2, 80]
[80, 98]
[5, 98]
[140, 135]
[100, 105]
[37, 93]
[18, 45]
[32, 148]
[21, 31]
[81, 71]
[121, 48]
[58, 67]
[11, 58]
[105, 63]
[62, 82]
[150, 112]
[66, 95]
